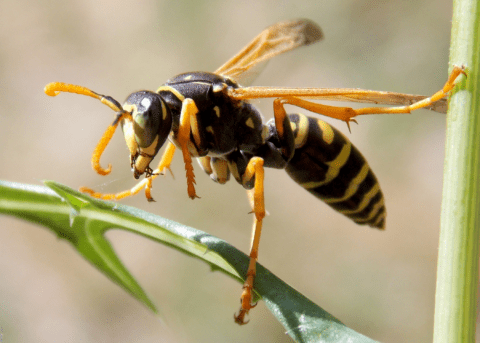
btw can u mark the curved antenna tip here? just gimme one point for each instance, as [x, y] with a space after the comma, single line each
[51, 89]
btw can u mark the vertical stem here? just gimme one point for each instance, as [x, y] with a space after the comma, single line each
[457, 274]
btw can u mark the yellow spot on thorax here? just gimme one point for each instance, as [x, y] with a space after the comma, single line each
[171, 90]
[217, 111]
[249, 123]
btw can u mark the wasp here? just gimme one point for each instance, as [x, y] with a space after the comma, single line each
[208, 116]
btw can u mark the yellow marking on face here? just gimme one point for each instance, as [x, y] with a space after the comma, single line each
[146, 155]
[141, 163]
[189, 77]
[334, 167]
[249, 123]
[217, 111]
[327, 131]
[209, 129]
[352, 189]
[150, 150]
[129, 134]
[132, 108]
[172, 90]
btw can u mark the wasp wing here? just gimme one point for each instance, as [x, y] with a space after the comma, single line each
[272, 41]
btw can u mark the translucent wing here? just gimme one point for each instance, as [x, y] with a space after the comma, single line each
[272, 41]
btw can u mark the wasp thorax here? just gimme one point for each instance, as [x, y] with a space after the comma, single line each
[147, 131]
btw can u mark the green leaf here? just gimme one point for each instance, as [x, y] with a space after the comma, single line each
[83, 221]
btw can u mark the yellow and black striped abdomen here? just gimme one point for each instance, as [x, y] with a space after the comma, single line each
[328, 165]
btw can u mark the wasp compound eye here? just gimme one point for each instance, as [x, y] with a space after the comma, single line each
[150, 117]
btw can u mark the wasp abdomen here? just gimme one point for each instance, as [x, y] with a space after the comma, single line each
[327, 165]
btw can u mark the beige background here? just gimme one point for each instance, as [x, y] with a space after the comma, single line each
[381, 284]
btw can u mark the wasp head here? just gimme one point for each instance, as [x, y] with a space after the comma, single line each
[146, 133]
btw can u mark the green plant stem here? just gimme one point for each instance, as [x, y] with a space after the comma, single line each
[457, 277]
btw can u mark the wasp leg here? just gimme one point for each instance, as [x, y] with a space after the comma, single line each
[187, 118]
[166, 159]
[254, 169]
[284, 130]
[419, 104]
[146, 183]
[347, 113]
[164, 163]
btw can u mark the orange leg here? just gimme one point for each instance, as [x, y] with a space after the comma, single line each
[187, 116]
[347, 113]
[166, 159]
[145, 183]
[254, 169]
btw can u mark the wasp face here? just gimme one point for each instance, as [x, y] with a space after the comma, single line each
[148, 130]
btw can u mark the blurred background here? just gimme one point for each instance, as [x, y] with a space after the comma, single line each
[381, 284]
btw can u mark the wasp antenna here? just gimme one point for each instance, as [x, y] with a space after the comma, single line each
[54, 88]
[102, 144]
